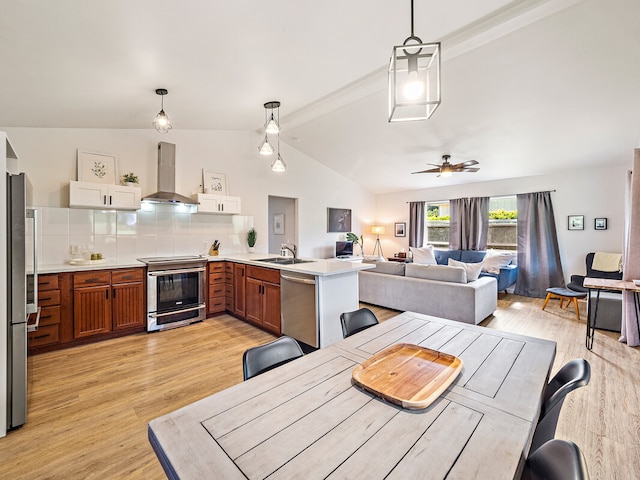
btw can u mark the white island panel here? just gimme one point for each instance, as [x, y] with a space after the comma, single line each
[336, 294]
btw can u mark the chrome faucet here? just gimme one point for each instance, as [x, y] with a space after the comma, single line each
[293, 250]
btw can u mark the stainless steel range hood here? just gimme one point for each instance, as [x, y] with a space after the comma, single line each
[167, 178]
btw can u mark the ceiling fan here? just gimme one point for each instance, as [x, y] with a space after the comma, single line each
[446, 169]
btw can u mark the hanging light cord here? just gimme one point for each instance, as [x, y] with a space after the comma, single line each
[412, 18]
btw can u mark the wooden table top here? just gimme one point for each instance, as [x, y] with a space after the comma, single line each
[608, 284]
[307, 420]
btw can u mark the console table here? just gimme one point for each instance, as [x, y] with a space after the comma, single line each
[599, 284]
[306, 419]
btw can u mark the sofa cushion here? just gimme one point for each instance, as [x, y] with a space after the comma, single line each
[472, 256]
[494, 261]
[389, 268]
[472, 269]
[443, 273]
[423, 256]
[443, 256]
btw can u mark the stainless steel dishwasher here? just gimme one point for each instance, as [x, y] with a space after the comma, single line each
[298, 307]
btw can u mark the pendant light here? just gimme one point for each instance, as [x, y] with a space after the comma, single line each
[265, 147]
[278, 164]
[272, 127]
[414, 79]
[162, 123]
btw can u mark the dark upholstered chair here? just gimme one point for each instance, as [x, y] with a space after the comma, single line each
[556, 460]
[577, 281]
[265, 357]
[572, 375]
[354, 322]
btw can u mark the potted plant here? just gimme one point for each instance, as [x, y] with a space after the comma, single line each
[130, 179]
[252, 236]
[352, 237]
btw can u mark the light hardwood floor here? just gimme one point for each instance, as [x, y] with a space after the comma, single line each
[89, 406]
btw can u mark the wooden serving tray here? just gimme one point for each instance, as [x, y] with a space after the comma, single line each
[408, 375]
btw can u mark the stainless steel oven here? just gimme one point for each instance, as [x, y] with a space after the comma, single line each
[176, 290]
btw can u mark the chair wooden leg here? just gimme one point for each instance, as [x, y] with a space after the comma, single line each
[575, 304]
[546, 300]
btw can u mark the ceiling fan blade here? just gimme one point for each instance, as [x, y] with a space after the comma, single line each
[468, 163]
[431, 170]
[467, 169]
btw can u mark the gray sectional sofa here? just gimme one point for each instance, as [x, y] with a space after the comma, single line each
[437, 290]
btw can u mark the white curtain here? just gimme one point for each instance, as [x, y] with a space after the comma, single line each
[631, 268]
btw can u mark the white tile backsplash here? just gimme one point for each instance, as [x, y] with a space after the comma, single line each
[156, 230]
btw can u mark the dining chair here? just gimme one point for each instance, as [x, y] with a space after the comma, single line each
[265, 357]
[356, 321]
[574, 374]
[556, 460]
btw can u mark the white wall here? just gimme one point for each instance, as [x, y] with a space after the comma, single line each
[593, 193]
[49, 158]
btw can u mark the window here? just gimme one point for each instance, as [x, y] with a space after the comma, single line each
[437, 224]
[503, 217]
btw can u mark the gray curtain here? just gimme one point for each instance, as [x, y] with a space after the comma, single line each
[416, 224]
[538, 253]
[469, 224]
[631, 268]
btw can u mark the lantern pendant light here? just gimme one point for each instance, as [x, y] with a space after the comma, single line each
[162, 123]
[272, 127]
[414, 79]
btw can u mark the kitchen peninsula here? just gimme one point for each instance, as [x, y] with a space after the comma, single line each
[246, 285]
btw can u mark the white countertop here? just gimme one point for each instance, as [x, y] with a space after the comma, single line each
[319, 267]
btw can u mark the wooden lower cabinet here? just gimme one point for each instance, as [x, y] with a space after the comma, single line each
[263, 298]
[216, 297]
[239, 290]
[88, 306]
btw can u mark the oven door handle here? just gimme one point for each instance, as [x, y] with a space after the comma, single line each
[173, 312]
[173, 272]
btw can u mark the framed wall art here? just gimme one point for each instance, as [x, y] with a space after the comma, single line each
[575, 222]
[600, 224]
[338, 220]
[214, 183]
[400, 230]
[96, 167]
[278, 224]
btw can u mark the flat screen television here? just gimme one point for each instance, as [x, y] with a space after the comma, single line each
[344, 249]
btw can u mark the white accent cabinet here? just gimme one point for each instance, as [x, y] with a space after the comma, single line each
[222, 204]
[100, 195]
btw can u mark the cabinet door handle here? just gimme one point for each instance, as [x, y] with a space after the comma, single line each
[91, 280]
[114, 294]
[107, 293]
[110, 200]
[104, 200]
[45, 299]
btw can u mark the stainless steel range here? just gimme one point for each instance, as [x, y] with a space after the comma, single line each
[176, 290]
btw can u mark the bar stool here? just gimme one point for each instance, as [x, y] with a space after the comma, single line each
[564, 294]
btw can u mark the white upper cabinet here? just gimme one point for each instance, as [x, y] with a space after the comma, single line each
[218, 204]
[100, 195]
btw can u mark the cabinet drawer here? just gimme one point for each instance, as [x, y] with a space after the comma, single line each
[264, 274]
[127, 276]
[228, 290]
[216, 267]
[216, 305]
[217, 277]
[47, 282]
[228, 278]
[49, 316]
[44, 336]
[216, 291]
[48, 298]
[228, 267]
[88, 279]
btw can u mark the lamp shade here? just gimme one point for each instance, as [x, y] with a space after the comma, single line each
[378, 229]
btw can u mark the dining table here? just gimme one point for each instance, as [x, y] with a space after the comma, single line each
[309, 419]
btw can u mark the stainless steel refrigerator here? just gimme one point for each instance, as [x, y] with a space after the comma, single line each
[18, 306]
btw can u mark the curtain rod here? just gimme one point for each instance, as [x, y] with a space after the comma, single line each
[504, 195]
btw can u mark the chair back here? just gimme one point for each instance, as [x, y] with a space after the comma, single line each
[572, 375]
[265, 357]
[556, 460]
[354, 322]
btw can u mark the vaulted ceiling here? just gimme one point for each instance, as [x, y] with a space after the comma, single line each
[528, 87]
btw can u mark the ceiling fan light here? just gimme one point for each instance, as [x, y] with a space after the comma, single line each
[265, 147]
[446, 173]
[278, 165]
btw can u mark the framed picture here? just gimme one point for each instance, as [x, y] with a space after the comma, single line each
[278, 224]
[96, 167]
[576, 222]
[214, 183]
[338, 220]
[401, 229]
[600, 224]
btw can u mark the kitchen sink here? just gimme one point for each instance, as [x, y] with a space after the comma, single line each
[284, 261]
